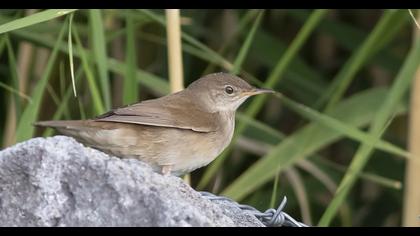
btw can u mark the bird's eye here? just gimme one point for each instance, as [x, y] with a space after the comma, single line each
[229, 89]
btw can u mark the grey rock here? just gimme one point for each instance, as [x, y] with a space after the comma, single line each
[59, 182]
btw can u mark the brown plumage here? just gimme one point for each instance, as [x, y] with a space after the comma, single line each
[177, 133]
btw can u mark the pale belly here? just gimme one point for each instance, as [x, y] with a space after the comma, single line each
[192, 150]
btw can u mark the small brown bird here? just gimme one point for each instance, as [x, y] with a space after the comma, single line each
[175, 134]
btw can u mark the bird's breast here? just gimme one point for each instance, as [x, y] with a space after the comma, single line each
[227, 128]
[203, 147]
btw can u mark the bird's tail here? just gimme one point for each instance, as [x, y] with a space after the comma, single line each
[82, 130]
[72, 128]
[59, 123]
[99, 135]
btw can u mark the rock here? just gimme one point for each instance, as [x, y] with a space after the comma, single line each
[59, 182]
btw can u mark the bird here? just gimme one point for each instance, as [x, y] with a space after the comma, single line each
[175, 134]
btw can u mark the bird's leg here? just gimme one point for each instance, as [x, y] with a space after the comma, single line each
[166, 170]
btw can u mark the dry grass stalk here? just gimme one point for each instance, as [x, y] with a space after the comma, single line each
[174, 49]
[412, 188]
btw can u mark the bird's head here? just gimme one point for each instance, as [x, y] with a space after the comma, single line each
[223, 91]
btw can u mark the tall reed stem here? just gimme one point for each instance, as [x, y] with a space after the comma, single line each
[173, 29]
[412, 188]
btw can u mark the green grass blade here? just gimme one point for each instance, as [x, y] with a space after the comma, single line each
[130, 94]
[99, 51]
[387, 109]
[34, 19]
[15, 91]
[259, 125]
[14, 74]
[70, 45]
[356, 111]
[25, 128]
[81, 110]
[274, 193]
[357, 61]
[274, 78]
[62, 79]
[94, 91]
[246, 45]
[51, 92]
[374, 178]
[3, 43]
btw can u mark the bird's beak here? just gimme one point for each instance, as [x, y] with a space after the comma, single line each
[256, 91]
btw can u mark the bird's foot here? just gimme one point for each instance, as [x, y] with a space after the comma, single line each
[166, 170]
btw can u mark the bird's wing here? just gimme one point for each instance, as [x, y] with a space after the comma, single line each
[179, 113]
